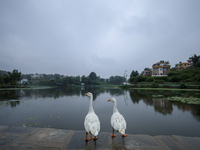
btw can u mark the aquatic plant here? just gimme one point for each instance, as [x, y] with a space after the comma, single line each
[157, 96]
[187, 100]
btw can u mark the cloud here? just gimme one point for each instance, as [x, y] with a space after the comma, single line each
[107, 37]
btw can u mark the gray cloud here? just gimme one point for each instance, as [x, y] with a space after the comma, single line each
[107, 37]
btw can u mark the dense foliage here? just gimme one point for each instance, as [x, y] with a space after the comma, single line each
[191, 74]
[10, 78]
[116, 80]
[186, 75]
[134, 73]
[92, 79]
[195, 60]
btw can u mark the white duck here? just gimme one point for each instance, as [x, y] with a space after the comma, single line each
[117, 120]
[91, 123]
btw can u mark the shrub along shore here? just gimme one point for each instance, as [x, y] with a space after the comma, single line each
[166, 86]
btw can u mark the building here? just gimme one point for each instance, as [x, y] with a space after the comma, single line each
[147, 72]
[184, 65]
[181, 65]
[23, 81]
[190, 63]
[161, 68]
[36, 76]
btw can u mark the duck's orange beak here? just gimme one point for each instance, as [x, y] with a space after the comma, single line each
[86, 93]
[109, 100]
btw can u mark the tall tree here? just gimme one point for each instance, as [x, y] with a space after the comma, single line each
[195, 60]
[93, 76]
[15, 76]
[116, 80]
[134, 73]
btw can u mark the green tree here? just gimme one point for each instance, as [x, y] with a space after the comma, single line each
[140, 78]
[84, 79]
[14, 76]
[149, 79]
[6, 79]
[195, 60]
[93, 76]
[134, 73]
[197, 64]
[116, 80]
[132, 79]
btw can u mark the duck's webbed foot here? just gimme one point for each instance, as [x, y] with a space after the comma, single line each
[87, 139]
[123, 135]
[95, 138]
[112, 135]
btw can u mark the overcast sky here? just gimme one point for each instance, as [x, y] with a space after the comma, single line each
[77, 37]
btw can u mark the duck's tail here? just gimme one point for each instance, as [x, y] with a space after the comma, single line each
[94, 130]
[122, 131]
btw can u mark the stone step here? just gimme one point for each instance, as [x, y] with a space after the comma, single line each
[24, 138]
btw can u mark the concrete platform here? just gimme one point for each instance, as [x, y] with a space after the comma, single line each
[24, 138]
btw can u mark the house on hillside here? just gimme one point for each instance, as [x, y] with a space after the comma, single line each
[181, 65]
[161, 68]
[184, 65]
[23, 81]
[147, 72]
[36, 76]
[190, 63]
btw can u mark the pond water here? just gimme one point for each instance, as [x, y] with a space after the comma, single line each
[66, 108]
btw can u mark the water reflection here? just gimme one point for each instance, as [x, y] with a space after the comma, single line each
[66, 108]
[194, 109]
[163, 106]
[57, 92]
[14, 104]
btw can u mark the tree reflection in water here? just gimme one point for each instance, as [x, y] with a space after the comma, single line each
[58, 104]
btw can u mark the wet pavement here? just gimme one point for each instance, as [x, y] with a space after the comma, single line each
[23, 138]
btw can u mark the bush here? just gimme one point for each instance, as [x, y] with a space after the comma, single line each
[162, 78]
[175, 79]
[172, 73]
[154, 85]
[182, 86]
[149, 79]
[159, 81]
[140, 79]
[132, 79]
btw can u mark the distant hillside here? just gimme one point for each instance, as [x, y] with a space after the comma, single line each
[185, 75]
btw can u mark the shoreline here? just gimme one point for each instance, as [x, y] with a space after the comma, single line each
[120, 87]
[31, 87]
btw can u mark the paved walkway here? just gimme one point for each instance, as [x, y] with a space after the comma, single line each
[23, 138]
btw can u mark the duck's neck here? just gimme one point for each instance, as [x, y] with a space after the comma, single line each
[115, 108]
[91, 106]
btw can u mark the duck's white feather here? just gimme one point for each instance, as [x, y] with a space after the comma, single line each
[118, 122]
[91, 123]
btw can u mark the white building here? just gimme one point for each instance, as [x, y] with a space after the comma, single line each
[23, 81]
